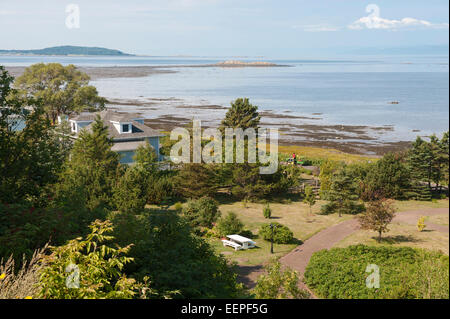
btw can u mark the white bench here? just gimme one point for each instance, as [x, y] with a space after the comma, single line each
[230, 243]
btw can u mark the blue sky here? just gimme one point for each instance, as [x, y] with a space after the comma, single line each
[272, 28]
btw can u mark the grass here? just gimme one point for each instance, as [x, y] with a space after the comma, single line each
[400, 235]
[417, 205]
[324, 153]
[294, 215]
[441, 219]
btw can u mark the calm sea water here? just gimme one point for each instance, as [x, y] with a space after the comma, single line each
[351, 90]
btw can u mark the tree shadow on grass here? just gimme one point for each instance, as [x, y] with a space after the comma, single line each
[397, 239]
[249, 274]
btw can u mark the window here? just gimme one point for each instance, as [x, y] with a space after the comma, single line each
[74, 127]
[125, 128]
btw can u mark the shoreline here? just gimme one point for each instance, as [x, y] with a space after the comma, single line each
[294, 130]
[166, 114]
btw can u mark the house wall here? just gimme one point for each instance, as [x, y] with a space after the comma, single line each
[126, 157]
[154, 142]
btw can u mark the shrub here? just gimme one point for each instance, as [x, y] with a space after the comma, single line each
[100, 267]
[178, 207]
[267, 212]
[202, 212]
[230, 225]
[421, 224]
[281, 234]
[340, 273]
[174, 259]
[279, 284]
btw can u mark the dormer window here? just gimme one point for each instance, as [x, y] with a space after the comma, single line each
[126, 128]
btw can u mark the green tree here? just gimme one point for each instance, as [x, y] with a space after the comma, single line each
[310, 198]
[279, 284]
[62, 89]
[281, 234]
[202, 212]
[267, 212]
[31, 155]
[378, 216]
[390, 176]
[327, 170]
[145, 156]
[100, 268]
[242, 114]
[173, 257]
[196, 180]
[131, 190]
[342, 191]
[92, 171]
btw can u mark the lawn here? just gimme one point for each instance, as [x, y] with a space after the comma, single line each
[438, 219]
[402, 234]
[408, 205]
[324, 153]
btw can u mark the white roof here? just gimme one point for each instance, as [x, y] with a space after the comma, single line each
[240, 239]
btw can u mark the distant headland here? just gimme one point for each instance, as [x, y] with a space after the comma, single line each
[67, 50]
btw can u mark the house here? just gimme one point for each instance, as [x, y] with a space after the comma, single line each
[127, 130]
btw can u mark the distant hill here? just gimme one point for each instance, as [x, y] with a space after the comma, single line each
[67, 50]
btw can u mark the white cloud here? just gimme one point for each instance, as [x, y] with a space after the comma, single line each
[317, 28]
[374, 21]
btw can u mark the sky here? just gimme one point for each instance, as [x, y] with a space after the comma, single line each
[270, 28]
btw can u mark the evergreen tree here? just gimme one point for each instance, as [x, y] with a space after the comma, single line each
[310, 198]
[196, 180]
[92, 170]
[342, 191]
[242, 114]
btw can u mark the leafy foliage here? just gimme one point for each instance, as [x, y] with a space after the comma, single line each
[30, 153]
[404, 273]
[310, 198]
[279, 284]
[267, 212]
[174, 259]
[100, 268]
[242, 114]
[62, 89]
[229, 225]
[203, 212]
[281, 234]
[91, 173]
[378, 216]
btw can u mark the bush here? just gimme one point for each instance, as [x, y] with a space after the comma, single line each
[349, 207]
[174, 259]
[202, 212]
[404, 273]
[159, 189]
[230, 225]
[96, 268]
[421, 224]
[267, 212]
[279, 284]
[281, 233]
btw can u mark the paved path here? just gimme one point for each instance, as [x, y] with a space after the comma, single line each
[298, 258]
